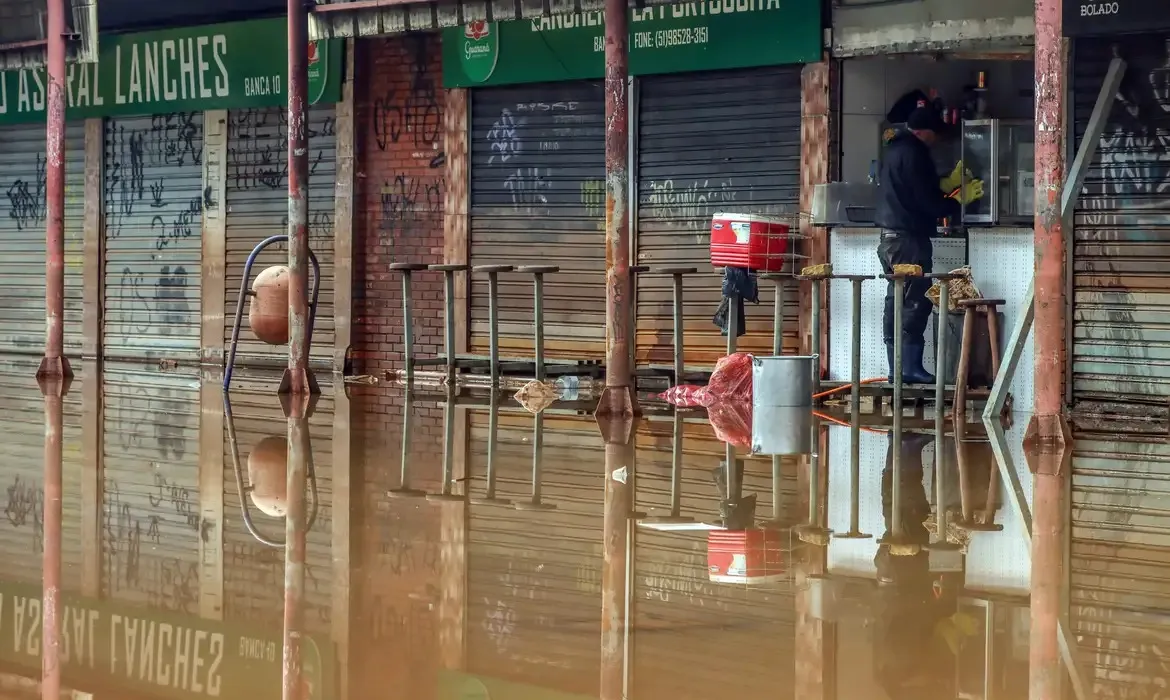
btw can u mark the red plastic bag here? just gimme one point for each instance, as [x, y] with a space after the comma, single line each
[731, 381]
[732, 422]
[684, 395]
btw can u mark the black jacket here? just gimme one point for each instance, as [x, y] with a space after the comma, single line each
[909, 198]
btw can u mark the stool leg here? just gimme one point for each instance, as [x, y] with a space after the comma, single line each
[899, 296]
[494, 325]
[407, 326]
[993, 341]
[964, 362]
[678, 330]
[940, 380]
[538, 317]
[732, 324]
[778, 320]
[449, 323]
[815, 345]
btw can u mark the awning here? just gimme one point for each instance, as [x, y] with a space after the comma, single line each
[361, 18]
[23, 39]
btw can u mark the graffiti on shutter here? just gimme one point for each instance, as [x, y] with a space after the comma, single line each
[154, 218]
[257, 199]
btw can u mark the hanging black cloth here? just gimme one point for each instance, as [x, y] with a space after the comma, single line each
[739, 283]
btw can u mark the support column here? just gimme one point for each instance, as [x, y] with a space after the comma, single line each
[54, 364]
[298, 378]
[342, 532]
[815, 639]
[1050, 517]
[816, 80]
[297, 412]
[343, 193]
[618, 398]
[53, 389]
[1048, 424]
[456, 224]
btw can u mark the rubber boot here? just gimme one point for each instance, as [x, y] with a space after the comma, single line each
[912, 370]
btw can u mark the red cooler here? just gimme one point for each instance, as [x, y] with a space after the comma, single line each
[749, 240]
[744, 556]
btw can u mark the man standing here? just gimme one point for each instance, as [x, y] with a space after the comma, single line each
[911, 200]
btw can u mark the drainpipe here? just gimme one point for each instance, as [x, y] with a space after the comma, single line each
[297, 379]
[1048, 424]
[54, 363]
[618, 397]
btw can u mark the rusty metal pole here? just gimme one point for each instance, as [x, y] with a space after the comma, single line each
[294, 549]
[1048, 423]
[53, 390]
[1049, 520]
[297, 377]
[618, 398]
[54, 363]
[618, 542]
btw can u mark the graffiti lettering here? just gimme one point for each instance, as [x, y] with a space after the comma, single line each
[417, 113]
[25, 506]
[693, 203]
[176, 497]
[504, 138]
[403, 555]
[26, 201]
[411, 203]
[529, 186]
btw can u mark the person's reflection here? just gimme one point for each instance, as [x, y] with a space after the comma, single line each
[910, 661]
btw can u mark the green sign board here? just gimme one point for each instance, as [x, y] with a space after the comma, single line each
[674, 38]
[220, 66]
[157, 654]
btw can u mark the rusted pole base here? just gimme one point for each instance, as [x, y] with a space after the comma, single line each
[618, 534]
[308, 380]
[53, 390]
[54, 368]
[617, 402]
[1050, 461]
[1047, 434]
[299, 405]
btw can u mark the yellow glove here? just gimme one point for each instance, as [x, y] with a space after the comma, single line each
[971, 192]
[955, 179]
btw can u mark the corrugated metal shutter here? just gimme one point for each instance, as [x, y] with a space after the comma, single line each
[22, 527]
[535, 577]
[538, 198]
[150, 543]
[154, 225]
[1121, 565]
[253, 572]
[257, 206]
[22, 236]
[697, 638]
[1122, 232]
[709, 142]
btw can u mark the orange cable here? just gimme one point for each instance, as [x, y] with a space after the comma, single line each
[838, 421]
[843, 387]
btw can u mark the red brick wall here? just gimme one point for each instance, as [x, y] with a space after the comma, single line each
[399, 198]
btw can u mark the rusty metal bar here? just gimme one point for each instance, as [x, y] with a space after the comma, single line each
[1049, 228]
[297, 378]
[53, 391]
[1044, 663]
[54, 363]
[618, 398]
[294, 553]
[617, 544]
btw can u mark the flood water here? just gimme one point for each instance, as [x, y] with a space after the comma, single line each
[469, 551]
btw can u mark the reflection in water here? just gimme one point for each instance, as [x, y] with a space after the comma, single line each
[549, 561]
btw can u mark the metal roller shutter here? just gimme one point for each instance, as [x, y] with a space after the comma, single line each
[257, 206]
[22, 237]
[538, 197]
[710, 142]
[154, 225]
[1121, 565]
[1121, 246]
[253, 572]
[534, 577]
[695, 634]
[150, 545]
[22, 528]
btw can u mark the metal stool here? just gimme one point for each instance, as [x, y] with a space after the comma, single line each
[676, 469]
[815, 324]
[447, 491]
[989, 307]
[855, 532]
[489, 499]
[967, 519]
[538, 272]
[404, 490]
[493, 274]
[812, 531]
[535, 503]
[407, 270]
[778, 280]
[449, 314]
[676, 274]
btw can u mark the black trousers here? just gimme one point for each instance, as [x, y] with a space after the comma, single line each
[898, 248]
